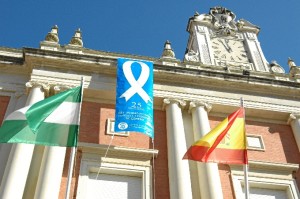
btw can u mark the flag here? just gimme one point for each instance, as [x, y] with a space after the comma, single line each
[226, 143]
[53, 121]
[134, 97]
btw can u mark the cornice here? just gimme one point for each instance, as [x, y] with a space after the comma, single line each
[235, 102]
[118, 151]
[268, 166]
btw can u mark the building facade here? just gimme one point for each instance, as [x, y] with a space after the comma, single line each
[223, 62]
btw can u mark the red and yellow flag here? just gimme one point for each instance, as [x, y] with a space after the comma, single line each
[226, 143]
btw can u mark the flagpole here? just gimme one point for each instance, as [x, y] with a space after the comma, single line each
[73, 149]
[245, 165]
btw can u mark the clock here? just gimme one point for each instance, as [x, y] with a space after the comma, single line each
[232, 50]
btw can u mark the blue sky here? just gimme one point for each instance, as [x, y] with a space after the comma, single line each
[141, 27]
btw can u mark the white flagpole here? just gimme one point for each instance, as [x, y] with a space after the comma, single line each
[245, 165]
[73, 149]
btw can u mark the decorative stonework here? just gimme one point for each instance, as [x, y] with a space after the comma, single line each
[191, 56]
[44, 87]
[293, 116]
[168, 51]
[195, 104]
[179, 102]
[60, 88]
[294, 70]
[223, 21]
[77, 39]
[276, 68]
[52, 36]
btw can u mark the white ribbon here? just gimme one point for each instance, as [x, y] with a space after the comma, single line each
[136, 85]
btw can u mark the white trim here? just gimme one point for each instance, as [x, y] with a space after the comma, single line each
[110, 128]
[261, 143]
[277, 176]
[120, 161]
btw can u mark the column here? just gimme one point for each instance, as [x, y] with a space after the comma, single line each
[35, 164]
[16, 171]
[209, 178]
[16, 102]
[49, 179]
[294, 121]
[179, 172]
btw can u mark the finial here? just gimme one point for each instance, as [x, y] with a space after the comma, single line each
[52, 36]
[294, 70]
[168, 51]
[77, 39]
[291, 62]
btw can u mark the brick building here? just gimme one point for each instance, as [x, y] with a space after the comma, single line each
[223, 62]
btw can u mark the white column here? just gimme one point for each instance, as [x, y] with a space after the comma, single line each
[179, 172]
[16, 171]
[49, 179]
[294, 121]
[209, 178]
[16, 102]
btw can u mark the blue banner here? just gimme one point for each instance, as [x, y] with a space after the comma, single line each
[134, 97]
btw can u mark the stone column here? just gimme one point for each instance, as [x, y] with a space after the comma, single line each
[16, 170]
[16, 102]
[294, 121]
[179, 172]
[49, 179]
[209, 178]
[35, 165]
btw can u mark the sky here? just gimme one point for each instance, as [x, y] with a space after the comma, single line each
[142, 27]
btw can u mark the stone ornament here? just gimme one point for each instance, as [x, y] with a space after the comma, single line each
[77, 39]
[44, 87]
[191, 56]
[223, 20]
[179, 102]
[294, 70]
[276, 68]
[207, 106]
[168, 51]
[293, 116]
[52, 36]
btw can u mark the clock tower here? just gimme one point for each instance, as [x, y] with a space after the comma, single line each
[217, 39]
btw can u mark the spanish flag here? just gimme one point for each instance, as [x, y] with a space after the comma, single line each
[226, 143]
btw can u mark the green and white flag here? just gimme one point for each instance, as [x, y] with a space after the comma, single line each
[52, 122]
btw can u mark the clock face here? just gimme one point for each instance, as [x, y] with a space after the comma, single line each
[229, 50]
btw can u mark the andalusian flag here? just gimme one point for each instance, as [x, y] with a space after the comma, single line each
[53, 121]
[226, 143]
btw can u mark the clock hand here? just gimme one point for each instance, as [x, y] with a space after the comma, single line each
[229, 48]
[225, 45]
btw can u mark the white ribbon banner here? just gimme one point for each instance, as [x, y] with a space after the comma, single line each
[136, 85]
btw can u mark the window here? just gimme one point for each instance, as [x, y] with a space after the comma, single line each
[266, 180]
[113, 186]
[126, 173]
[255, 142]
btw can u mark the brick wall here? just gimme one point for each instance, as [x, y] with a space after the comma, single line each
[4, 100]
[92, 130]
[280, 147]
